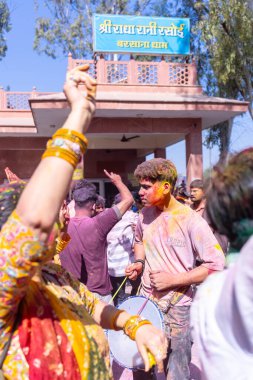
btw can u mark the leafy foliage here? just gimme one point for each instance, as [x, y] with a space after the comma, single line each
[227, 28]
[67, 25]
[5, 27]
[223, 45]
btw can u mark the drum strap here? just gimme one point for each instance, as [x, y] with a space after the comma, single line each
[178, 295]
[145, 303]
[111, 301]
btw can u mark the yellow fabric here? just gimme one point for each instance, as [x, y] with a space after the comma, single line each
[22, 256]
[76, 333]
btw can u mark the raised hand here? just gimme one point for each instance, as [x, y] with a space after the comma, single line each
[115, 178]
[74, 89]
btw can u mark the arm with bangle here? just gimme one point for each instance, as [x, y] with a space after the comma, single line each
[52, 178]
[147, 337]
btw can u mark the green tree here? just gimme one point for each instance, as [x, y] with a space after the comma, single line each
[63, 28]
[226, 28]
[5, 27]
[222, 42]
[66, 26]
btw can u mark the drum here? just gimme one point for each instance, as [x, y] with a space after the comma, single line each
[123, 349]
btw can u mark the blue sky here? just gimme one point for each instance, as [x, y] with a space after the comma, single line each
[22, 68]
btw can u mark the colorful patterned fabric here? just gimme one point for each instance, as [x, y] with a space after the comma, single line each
[57, 337]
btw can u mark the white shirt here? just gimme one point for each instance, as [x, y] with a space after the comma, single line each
[222, 321]
[120, 245]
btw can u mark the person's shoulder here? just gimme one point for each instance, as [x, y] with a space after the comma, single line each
[248, 245]
[107, 213]
[195, 215]
[80, 223]
[188, 217]
[130, 215]
[183, 211]
[246, 250]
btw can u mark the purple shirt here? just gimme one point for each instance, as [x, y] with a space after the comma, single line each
[85, 256]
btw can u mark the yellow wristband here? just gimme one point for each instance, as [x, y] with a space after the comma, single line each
[64, 154]
[132, 324]
[62, 242]
[70, 133]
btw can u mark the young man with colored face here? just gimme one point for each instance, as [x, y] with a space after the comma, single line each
[169, 238]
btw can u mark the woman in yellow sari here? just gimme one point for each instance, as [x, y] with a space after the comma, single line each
[53, 323]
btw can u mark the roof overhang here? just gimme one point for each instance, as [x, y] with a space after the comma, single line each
[117, 108]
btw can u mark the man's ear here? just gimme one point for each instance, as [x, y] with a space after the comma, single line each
[166, 188]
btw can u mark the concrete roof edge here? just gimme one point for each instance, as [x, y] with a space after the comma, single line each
[146, 97]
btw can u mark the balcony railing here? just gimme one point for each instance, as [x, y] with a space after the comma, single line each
[10, 100]
[130, 72]
[139, 73]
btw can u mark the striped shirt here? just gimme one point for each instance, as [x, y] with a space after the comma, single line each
[120, 244]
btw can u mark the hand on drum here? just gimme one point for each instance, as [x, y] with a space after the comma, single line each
[149, 338]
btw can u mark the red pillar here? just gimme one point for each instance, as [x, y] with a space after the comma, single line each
[194, 159]
[160, 153]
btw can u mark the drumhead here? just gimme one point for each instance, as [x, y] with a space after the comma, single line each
[123, 349]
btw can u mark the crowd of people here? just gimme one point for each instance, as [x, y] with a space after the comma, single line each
[64, 267]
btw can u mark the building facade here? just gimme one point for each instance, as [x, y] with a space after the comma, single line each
[142, 108]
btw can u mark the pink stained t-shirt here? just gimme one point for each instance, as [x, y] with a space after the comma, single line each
[172, 241]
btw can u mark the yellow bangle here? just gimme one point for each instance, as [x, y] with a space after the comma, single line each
[114, 318]
[64, 154]
[132, 324]
[71, 160]
[72, 139]
[64, 143]
[62, 242]
[72, 135]
[142, 323]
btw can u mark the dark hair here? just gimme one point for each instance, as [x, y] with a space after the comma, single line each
[117, 199]
[84, 192]
[197, 183]
[9, 196]
[100, 201]
[181, 194]
[157, 169]
[230, 198]
[136, 196]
